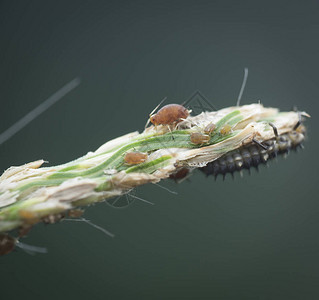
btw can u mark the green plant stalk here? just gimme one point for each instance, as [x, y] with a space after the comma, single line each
[29, 193]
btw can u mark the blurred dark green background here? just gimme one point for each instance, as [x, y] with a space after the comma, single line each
[252, 238]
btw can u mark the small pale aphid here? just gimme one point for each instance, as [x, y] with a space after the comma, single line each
[135, 158]
[199, 138]
[170, 114]
[209, 128]
[225, 129]
[7, 243]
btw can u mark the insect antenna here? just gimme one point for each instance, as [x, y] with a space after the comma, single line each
[242, 86]
[148, 121]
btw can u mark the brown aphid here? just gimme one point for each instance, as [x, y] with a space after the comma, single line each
[7, 243]
[199, 138]
[180, 174]
[226, 129]
[135, 158]
[75, 213]
[209, 128]
[169, 114]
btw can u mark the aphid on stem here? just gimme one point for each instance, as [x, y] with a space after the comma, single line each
[226, 129]
[199, 138]
[169, 114]
[135, 158]
[209, 128]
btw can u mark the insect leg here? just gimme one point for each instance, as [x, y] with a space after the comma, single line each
[274, 128]
[260, 144]
[170, 130]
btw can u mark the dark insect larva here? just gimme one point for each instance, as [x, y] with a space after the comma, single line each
[199, 138]
[135, 158]
[169, 114]
[252, 155]
[7, 243]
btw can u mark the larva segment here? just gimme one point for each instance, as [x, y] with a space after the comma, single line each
[252, 155]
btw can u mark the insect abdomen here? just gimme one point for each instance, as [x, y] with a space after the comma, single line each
[253, 155]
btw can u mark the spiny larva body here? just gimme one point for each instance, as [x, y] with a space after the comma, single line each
[253, 155]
